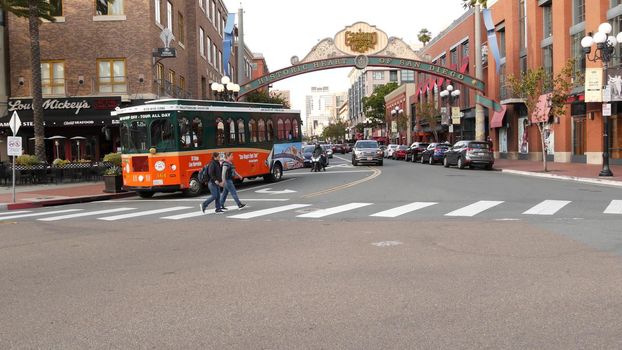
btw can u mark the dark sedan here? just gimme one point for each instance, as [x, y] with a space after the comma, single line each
[339, 148]
[470, 153]
[434, 153]
[414, 151]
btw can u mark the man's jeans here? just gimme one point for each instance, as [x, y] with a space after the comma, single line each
[215, 195]
[229, 187]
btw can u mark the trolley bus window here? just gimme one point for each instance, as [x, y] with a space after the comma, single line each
[125, 137]
[231, 129]
[288, 129]
[138, 136]
[252, 130]
[241, 134]
[262, 130]
[270, 133]
[185, 133]
[197, 129]
[295, 128]
[280, 127]
[220, 132]
[162, 135]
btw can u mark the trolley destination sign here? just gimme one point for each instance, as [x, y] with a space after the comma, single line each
[355, 61]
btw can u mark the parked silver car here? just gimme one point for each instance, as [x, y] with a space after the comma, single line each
[366, 151]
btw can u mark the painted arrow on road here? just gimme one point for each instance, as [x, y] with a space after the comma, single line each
[267, 191]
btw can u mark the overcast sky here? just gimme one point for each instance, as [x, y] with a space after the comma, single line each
[280, 29]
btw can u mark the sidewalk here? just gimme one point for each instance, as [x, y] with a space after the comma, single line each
[49, 195]
[55, 194]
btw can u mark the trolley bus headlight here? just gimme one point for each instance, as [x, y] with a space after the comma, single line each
[173, 167]
[141, 178]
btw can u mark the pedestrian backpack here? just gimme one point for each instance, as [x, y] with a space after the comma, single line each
[204, 174]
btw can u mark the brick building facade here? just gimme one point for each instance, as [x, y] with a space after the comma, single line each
[102, 55]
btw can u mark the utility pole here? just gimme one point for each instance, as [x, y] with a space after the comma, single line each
[480, 120]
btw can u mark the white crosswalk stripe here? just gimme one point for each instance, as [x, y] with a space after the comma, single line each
[142, 213]
[334, 210]
[547, 207]
[88, 213]
[474, 209]
[615, 207]
[15, 212]
[197, 213]
[401, 210]
[258, 213]
[38, 214]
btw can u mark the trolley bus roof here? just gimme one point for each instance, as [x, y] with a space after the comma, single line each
[202, 105]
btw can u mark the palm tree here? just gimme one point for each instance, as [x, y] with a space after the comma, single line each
[34, 10]
[471, 3]
[424, 36]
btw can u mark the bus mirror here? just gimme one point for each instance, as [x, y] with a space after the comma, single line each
[152, 150]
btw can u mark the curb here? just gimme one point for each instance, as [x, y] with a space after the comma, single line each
[70, 200]
[565, 177]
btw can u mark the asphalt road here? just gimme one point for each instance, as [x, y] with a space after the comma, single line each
[479, 268]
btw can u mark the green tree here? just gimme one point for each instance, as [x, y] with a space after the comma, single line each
[471, 3]
[336, 131]
[266, 97]
[34, 11]
[374, 105]
[537, 82]
[429, 114]
[424, 36]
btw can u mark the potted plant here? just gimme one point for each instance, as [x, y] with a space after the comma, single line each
[113, 176]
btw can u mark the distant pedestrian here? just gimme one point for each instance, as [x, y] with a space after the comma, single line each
[214, 183]
[228, 173]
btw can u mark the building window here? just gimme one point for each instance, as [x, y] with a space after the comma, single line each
[53, 78]
[501, 32]
[577, 51]
[578, 11]
[616, 23]
[407, 76]
[393, 75]
[111, 75]
[209, 52]
[182, 84]
[171, 80]
[181, 34]
[169, 15]
[547, 20]
[376, 75]
[201, 42]
[522, 20]
[160, 78]
[201, 4]
[56, 8]
[211, 13]
[220, 61]
[547, 58]
[214, 55]
[109, 8]
[453, 56]
[157, 6]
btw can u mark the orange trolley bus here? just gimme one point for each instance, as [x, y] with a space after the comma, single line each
[165, 143]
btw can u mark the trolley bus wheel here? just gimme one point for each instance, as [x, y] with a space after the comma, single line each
[277, 173]
[195, 187]
[145, 194]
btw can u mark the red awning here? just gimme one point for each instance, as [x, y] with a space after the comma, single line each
[497, 118]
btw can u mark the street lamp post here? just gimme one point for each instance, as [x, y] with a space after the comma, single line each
[450, 94]
[395, 112]
[226, 90]
[605, 45]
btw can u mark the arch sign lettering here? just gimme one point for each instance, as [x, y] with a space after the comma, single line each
[361, 45]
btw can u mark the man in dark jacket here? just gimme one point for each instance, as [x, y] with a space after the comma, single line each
[214, 184]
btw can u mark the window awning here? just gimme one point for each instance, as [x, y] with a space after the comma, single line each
[497, 118]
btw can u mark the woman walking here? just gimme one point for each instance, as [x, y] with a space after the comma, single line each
[228, 173]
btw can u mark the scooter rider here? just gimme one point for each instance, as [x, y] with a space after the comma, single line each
[318, 151]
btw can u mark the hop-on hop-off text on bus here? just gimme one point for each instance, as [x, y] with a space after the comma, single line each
[165, 143]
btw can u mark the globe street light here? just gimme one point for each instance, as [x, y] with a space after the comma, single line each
[605, 48]
[394, 113]
[226, 90]
[450, 94]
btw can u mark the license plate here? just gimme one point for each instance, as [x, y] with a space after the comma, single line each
[370, 158]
